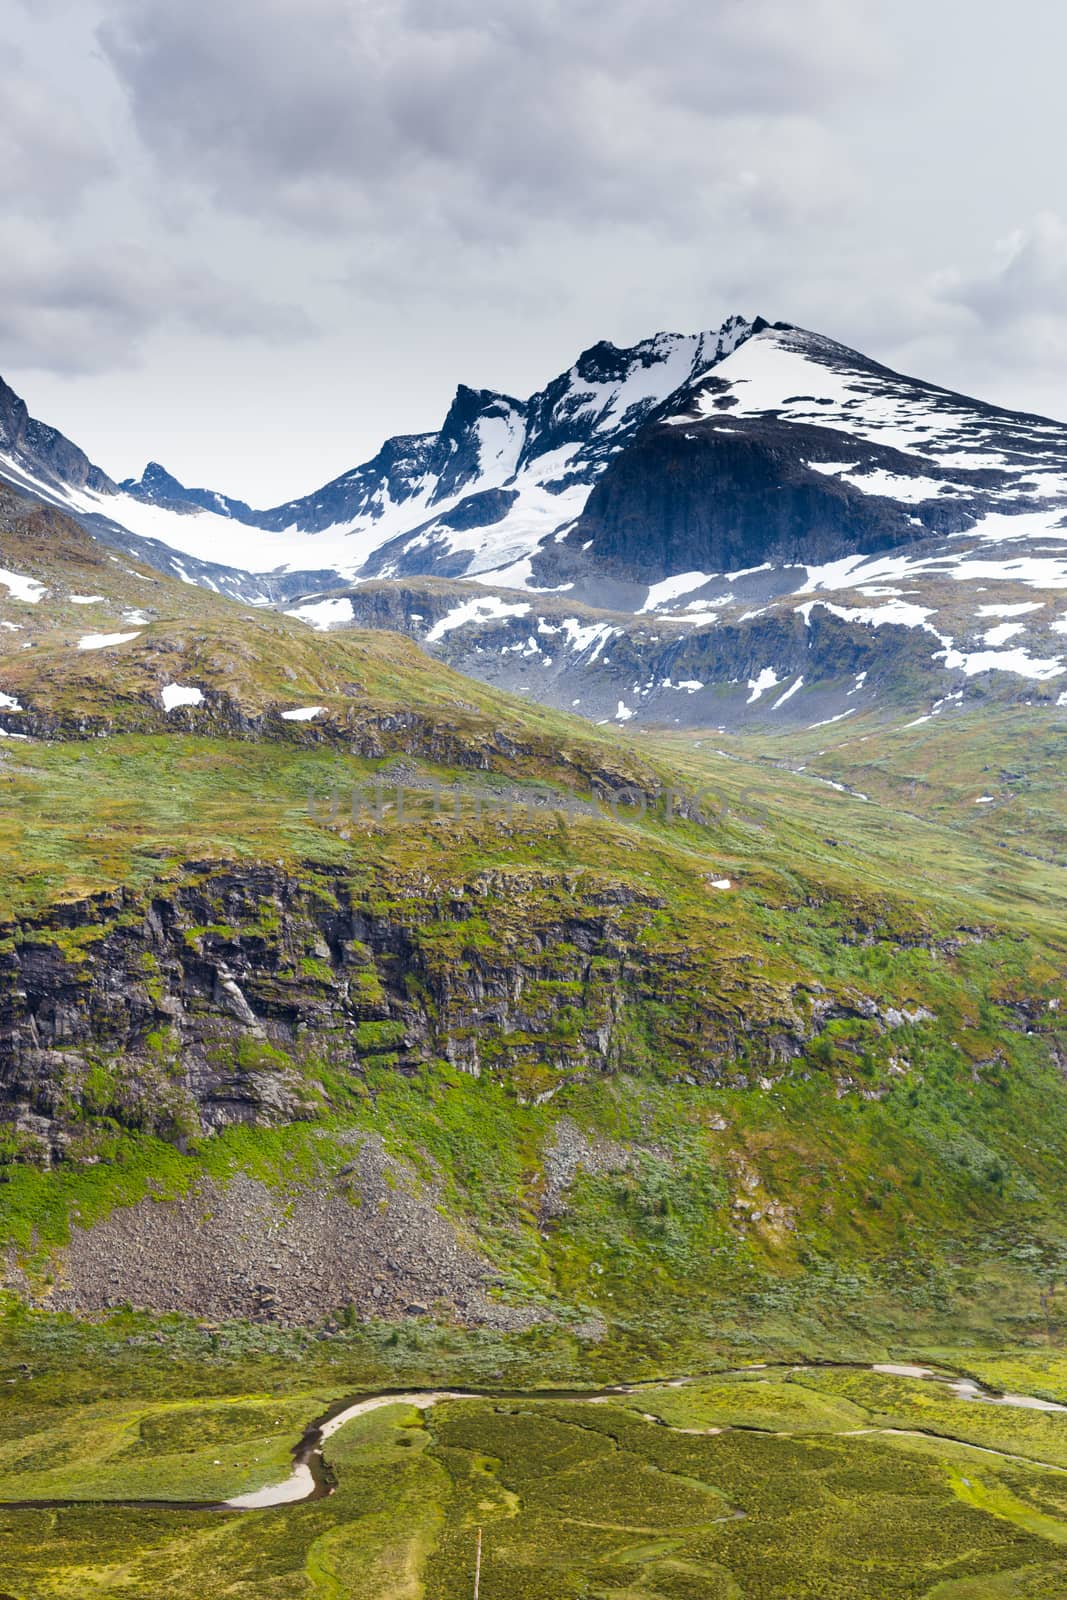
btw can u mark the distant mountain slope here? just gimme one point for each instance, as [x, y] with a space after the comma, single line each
[482, 494]
[795, 449]
[27, 445]
[753, 525]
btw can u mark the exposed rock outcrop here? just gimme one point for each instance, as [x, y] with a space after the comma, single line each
[236, 993]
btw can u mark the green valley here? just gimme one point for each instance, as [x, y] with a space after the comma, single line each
[440, 1041]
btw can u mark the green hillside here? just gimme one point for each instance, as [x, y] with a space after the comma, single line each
[435, 1038]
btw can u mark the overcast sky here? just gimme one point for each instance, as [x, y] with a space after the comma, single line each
[252, 238]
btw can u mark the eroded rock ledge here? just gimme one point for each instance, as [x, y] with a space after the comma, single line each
[237, 993]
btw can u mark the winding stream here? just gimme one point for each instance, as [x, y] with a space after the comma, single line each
[309, 1479]
[968, 1389]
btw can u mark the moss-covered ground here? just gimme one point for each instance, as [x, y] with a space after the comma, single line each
[760, 1486]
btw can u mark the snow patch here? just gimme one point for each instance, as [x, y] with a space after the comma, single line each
[483, 608]
[766, 679]
[1002, 633]
[174, 695]
[746, 572]
[898, 613]
[909, 490]
[660, 594]
[324, 614]
[789, 693]
[303, 713]
[22, 588]
[839, 718]
[1016, 661]
[101, 641]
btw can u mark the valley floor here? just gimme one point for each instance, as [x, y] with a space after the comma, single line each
[943, 1483]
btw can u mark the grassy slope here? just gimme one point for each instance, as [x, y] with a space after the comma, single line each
[927, 1191]
[944, 1159]
[982, 781]
[918, 1209]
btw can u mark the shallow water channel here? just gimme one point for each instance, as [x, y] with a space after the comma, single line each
[309, 1479]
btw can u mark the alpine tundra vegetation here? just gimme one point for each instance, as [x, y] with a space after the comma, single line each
[648, 1148]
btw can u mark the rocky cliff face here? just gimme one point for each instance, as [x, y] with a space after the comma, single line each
[246, 995]
[221, 998]
[44, 451]
[713, 498]
[617, 667]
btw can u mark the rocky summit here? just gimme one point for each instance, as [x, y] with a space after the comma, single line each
[751, 527]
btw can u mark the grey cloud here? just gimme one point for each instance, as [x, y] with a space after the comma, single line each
[67, 311]
[1006, 319]
[491, 119]
[1026, 279]
[49, 153]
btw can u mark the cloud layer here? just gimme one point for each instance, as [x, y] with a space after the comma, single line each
[50, 154]
[81, 312]
[488, 121]
[333, 210]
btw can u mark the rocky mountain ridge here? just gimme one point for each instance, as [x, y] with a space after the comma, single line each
[650, 536]
[42, 450]
[481, 494]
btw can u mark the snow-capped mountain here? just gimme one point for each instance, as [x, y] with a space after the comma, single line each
[703, 528]
[795, 450]
[29, 448]
[481, 495]
[798, 533]
[708, 452]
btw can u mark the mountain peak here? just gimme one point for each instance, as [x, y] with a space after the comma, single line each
[156, 480]
[157, 486]
[44, 452]
[469, 404]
